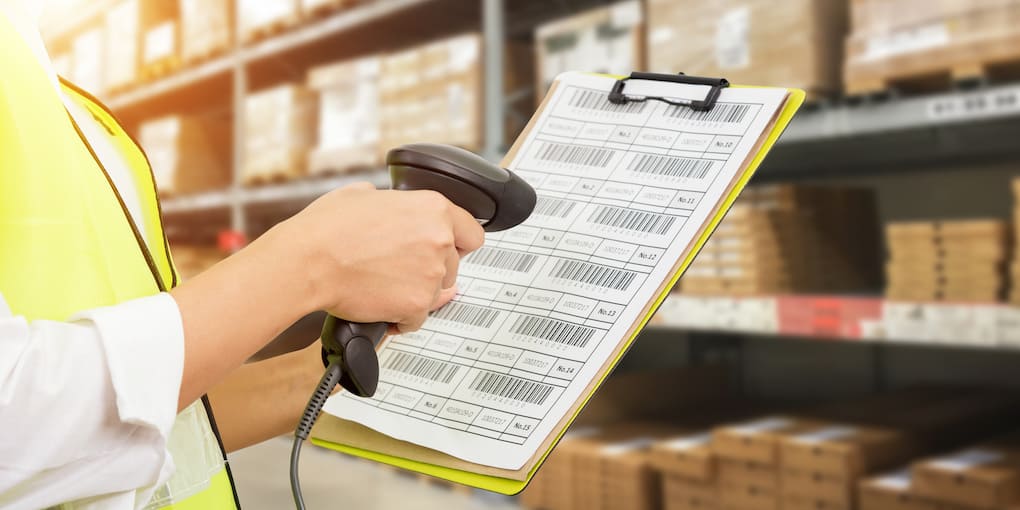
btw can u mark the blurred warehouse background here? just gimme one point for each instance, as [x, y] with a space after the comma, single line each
[848, 339]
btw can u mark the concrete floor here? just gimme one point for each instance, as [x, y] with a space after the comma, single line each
[330, 480]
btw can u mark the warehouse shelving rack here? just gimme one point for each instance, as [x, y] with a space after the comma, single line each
[843, 138]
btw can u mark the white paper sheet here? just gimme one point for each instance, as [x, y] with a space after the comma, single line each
[623, 191]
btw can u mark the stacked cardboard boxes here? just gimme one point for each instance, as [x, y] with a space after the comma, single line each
[206, 28]
[604, 40]
[952, 261]
[750, 41]
[788, 238]
[983, 476]
[895, 42]
[188, 153]
[348, 134]
[433, 92]
[1014, 268]
[160, 40]
[87, 69]
[279, 130]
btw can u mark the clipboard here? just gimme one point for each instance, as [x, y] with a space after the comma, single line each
[332, 432]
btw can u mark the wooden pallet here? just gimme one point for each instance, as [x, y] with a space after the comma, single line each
[160, 68]
[327, 8]
[269, 30]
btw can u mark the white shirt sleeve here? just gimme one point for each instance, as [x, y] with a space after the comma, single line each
[86, 406]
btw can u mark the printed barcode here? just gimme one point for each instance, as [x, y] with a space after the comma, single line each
[689, 168]
[639, 221]
[728, 113]
[553, 207]
[477, 316]
[506, 386]
[575, 154]
[553, 330]
[503, 259]
[420, 366]
[593, 274]
[600, 101]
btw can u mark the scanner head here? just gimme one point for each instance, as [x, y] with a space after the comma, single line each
[497, 197]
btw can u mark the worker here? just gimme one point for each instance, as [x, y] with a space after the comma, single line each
[122, 387]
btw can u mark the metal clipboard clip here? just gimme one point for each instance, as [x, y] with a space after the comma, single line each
[616, 95]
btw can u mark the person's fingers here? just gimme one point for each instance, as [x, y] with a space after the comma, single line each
[467, 233]
[444, 296]
[452, 266]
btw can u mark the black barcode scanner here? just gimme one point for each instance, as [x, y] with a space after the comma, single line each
[495, 196]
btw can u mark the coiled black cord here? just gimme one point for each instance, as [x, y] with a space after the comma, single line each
[322, 392]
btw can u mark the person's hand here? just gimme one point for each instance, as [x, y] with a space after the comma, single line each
[381, 256]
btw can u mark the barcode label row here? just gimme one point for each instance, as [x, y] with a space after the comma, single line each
[507, 386]
[547, 206]
[575, 154]
[688, 168]
[472, 315]
[726, 113]
[497, 258]
[629, 219]
[593, 274]
[553, 330]
[593, 100]
[420, 366]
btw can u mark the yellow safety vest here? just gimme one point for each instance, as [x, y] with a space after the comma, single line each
[67, 243]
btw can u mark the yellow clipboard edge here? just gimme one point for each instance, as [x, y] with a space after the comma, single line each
[511, 487]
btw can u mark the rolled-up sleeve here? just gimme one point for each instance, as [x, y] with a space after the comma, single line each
[86, 406]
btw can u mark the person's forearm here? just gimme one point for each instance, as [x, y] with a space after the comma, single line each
[230, 311]
[262, 400]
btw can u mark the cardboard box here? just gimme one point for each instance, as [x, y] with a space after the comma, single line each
[348, 134]
[984, 476]
[188, 154]
[159, 43]
[740, 497]
[800, 486]
[613, 470]
[602, 40]
[893, 491]
[279, 129]
[846, 451]
[748, 474]
[206, 28]
[757, 440]
[122, 41]
[750, 41]
[954, 43]
[687, 456]
[679, 493]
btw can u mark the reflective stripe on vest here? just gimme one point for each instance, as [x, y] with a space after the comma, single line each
[67, 244]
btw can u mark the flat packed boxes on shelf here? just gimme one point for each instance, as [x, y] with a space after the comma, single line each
[951, 260]
[604, 40]
[897, 43]
[188, 154]
[279, 130]
[788, 238]
[750, 41]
